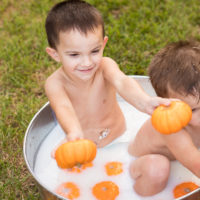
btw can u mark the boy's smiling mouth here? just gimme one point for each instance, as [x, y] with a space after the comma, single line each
[86, 70]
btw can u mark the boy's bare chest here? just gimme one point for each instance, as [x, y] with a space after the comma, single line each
[96, 108]
[92, 102]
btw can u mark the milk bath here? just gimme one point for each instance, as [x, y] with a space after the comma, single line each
[51, 176]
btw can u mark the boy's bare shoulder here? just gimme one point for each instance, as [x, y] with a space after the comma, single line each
[54, 82]
[108, 61]
[55, 77]
[111, 71]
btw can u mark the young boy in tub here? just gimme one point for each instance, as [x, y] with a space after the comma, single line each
[82, 92]
[174, 73]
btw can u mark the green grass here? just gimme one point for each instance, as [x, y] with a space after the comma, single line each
[137, 29]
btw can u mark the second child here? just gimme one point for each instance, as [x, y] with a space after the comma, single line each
[174, 73]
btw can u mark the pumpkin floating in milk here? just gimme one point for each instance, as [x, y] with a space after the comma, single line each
[74, 153]
[114, 168]
[184, 188]
[68, 190]
[171, 119]
[105, 190]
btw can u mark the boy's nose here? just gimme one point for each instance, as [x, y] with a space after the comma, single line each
[86, 61]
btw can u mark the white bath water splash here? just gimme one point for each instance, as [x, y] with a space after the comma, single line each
[51, 176]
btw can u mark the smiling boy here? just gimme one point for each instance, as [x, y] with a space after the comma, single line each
[82, 92]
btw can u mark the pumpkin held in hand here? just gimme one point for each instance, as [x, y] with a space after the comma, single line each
[75, 152]
[171, 119]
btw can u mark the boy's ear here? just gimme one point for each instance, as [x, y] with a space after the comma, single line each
[105, 40]
[53, 53]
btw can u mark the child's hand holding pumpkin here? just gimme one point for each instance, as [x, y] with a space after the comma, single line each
[70, 137]
[154, 102]
[75, 152]
[171, 119]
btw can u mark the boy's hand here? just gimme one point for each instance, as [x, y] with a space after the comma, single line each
[74, 136]
[154, 102]
[70, 137]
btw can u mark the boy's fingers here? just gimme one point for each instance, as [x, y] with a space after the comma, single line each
[175, 99]
[167, 102]
[73, 137]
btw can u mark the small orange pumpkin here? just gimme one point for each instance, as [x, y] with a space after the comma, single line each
[171, 119]
[184, 188]
[105, 190]
[75, 152]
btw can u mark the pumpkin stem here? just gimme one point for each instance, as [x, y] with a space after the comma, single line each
[78, 165]
[187, 190]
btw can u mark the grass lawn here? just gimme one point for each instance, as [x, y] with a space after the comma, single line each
[137, 29]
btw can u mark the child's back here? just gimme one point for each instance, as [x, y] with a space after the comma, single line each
[174, 73]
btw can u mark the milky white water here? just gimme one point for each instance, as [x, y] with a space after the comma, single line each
[50, 176]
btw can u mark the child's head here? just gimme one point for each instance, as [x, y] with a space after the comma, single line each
[177, 68]
[71, 15]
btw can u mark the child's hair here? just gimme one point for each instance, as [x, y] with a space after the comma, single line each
[176, 67]
[70, 15]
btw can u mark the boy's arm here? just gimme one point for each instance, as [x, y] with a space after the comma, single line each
[182, 147]
[63, 109]
[129, 89]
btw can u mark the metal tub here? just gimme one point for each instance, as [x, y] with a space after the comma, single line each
[42, 124]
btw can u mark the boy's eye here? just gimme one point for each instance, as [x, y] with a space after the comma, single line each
[73, 54]
[195, 109]
[96, 51]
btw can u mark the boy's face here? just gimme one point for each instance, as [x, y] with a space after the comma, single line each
[194, 103]
[80, 54]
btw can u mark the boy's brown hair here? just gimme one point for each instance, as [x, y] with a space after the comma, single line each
[176, 67]
[70, 15]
